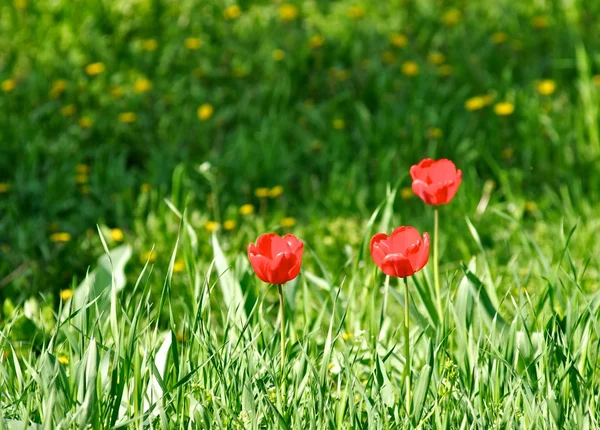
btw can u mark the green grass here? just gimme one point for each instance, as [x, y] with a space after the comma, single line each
[187, 337]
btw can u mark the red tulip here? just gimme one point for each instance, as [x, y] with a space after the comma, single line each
[401, 254]
[435, 181]
[276, 259]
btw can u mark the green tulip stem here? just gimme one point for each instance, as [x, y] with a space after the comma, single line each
[436, 263]
[282, 309]
[407, 345]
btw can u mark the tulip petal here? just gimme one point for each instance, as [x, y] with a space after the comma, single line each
[442, 170]
[419, 171]
[397, 265]
[262, 267]
[283, 267]
[419, 255]
[402, 238]
[295, 245]
[379, 247]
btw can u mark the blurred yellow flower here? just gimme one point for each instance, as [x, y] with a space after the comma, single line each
[347, 335]
[141, 85]
[261, 192]
[66, 294]
[475, 103]
[436, 58]
[63, 359]
[127, 117]
[507, 153]
[410, 68]
[451, 17]
[278, 55]
[406, 193]
[82, 169]
[596, 80]
[211, 226]
[499, 37]
[148, 256]
[530, 206]
[288, 222]
[356, 12]
[4, 187]
[149, 45]
[192, 43]
[178, 266]
[67, 110]
[60, 237]
[338, 124]
[205, 111]
[116, 92]
[85, 122]
[116, 234]
[81, 178]
[288, 12]
[276, 191]
[398, 40]
[434, 132]
[94, 69]
[246, 209]
[232, 12]
[316, 41]
[388, 57]
[229, 224]
[546, 87]
[8, 85]
[504, 108]
[445, 70]
[144, 188]
[58, 87]
[540, 21]
[20, 4]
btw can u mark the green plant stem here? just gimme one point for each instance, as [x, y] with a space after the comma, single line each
[407, 345]
[282, 309]
[436, 263]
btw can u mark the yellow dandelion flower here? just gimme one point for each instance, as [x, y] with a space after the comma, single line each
[475, 103]
[540, 22]
[288, 12]
[347, 335]
[406, 193]
[261, 192]
[20, 4]
[451, 17]
[81, 178]
[356, 12]
[278, 55]
[67, 110]
[63, 359]
[596, 80]
[144, 188]
[60, 237]
[499, 37]
[546, 87]
[507, 153]
[141, 85]
[288, 222]
[66, 294]
[127, 117]
[8, 85]
[95, 69]
[149, 45]
[148, 256]
[229, 224]
[530, 206]
[410, 68]
[398, 40]
[504, 108]
[246, 209]
[316, 41]
[192, 43]
[388, 57]
[338, 124]
[276, 191]
[445, 70]
[82, 169]
[232, 12]
[434, 132]
[58, 87]
[179, 266]
[211, 226]
[4, 187]
[116, 92]
[116, 234]
[436, 58]
[205, 111]
[85, 122]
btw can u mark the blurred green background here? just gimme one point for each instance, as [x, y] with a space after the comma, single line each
[304, 110]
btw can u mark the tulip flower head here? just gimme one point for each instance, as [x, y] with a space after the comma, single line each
[276, 259]
[435, 181]
[401, 254]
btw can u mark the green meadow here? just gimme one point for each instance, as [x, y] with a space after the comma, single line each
[145, 143]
